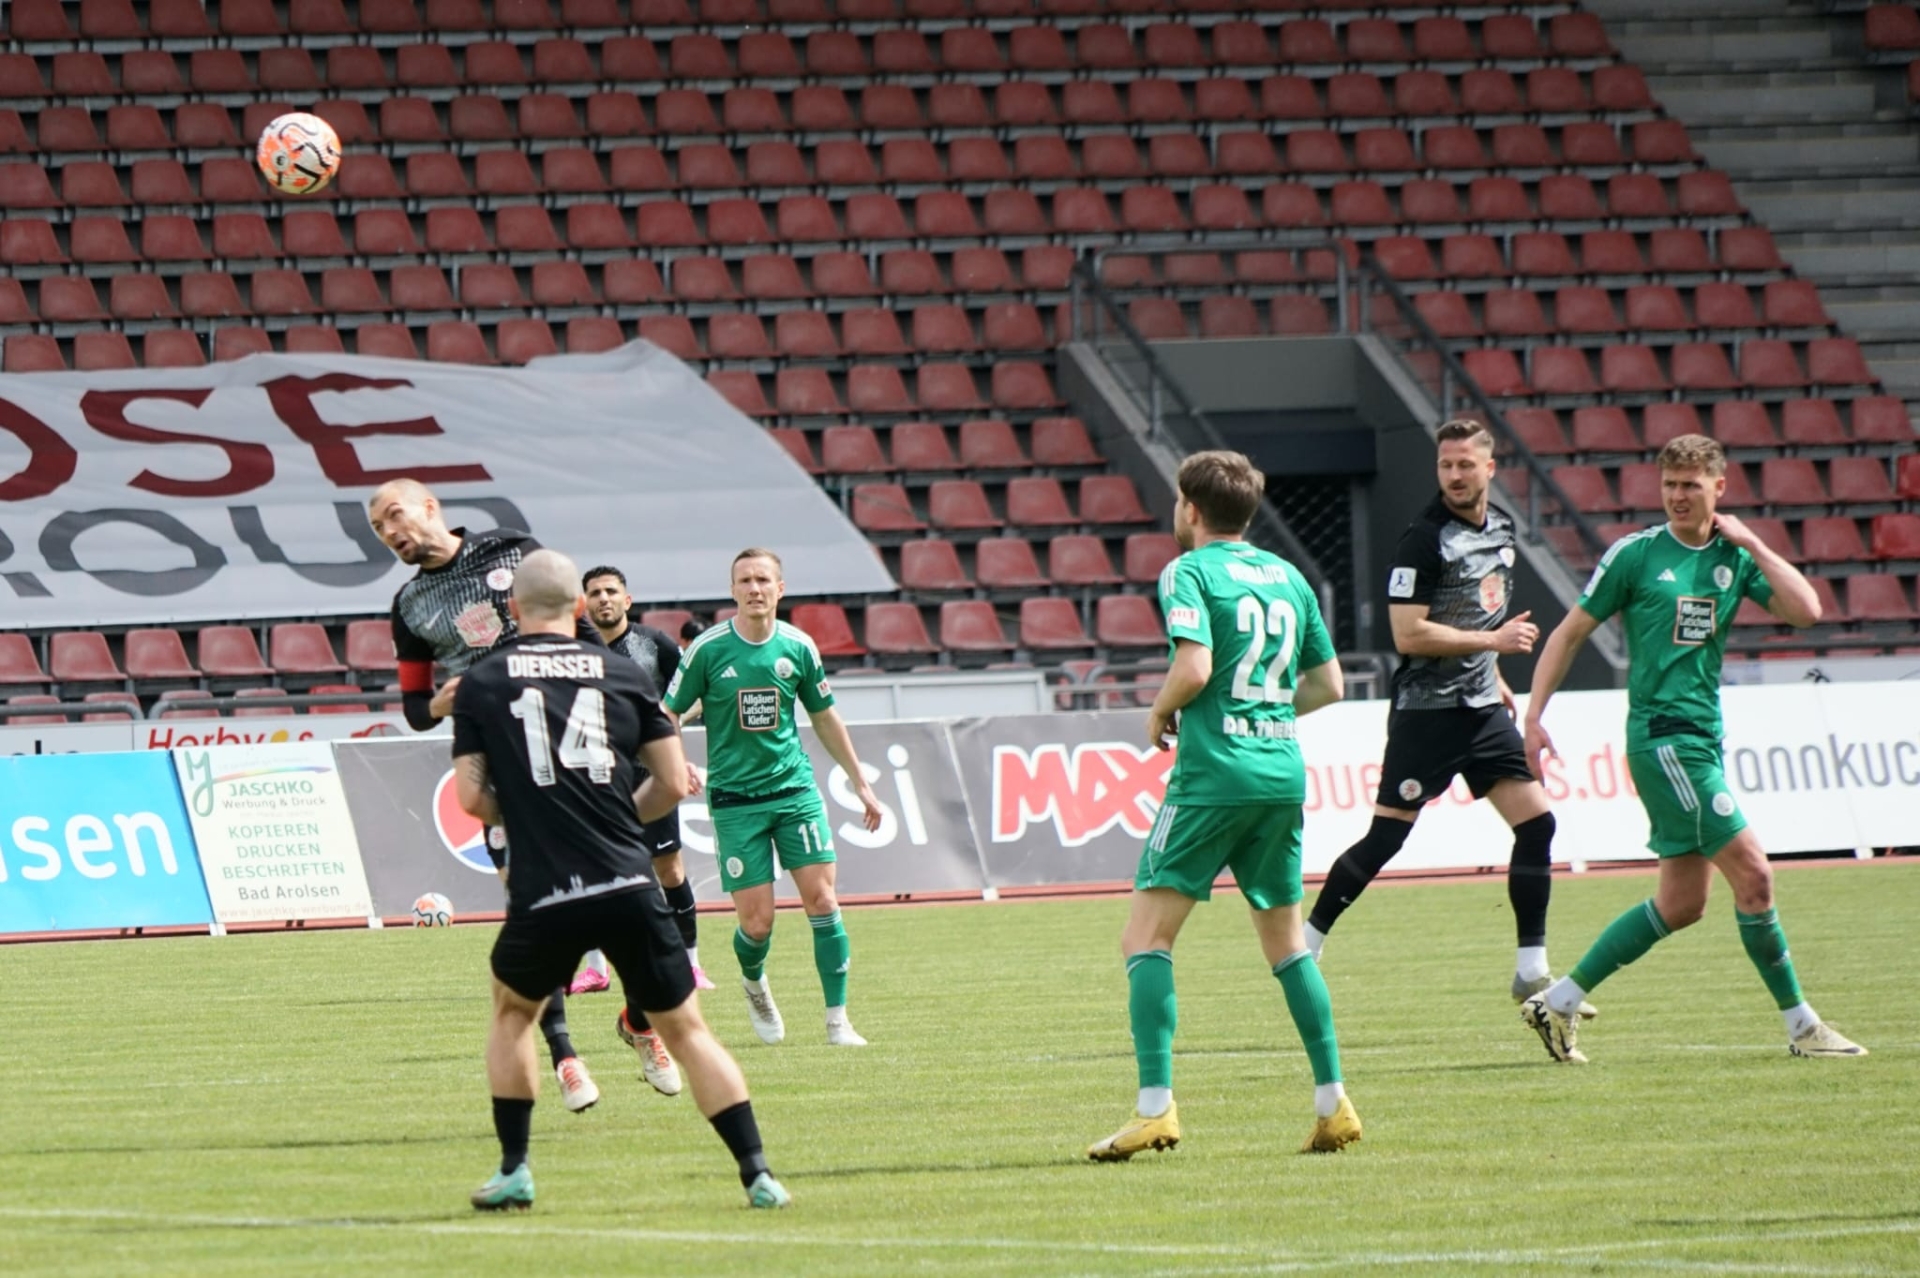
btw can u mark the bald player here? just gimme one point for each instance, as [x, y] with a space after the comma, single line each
[452, 613]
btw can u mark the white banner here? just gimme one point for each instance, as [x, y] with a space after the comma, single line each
[275, 837]
[239, 490]
[1816, 767]
[177, 734]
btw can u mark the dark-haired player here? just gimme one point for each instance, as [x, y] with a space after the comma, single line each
[453, 612]
[549, 731]
[1447, 598]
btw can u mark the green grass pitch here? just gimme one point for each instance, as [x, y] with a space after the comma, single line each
[316, 1103]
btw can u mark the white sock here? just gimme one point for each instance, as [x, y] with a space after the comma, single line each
[1564, 997]
[837, 1015]
[1800, 1018]
[596, 962]
[1530, 963]
[1326, 1099]
[1315, 939]
[1154, 1101]
[693, 955]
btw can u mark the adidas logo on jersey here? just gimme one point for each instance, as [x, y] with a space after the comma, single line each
[729, 673]
[1666, 574]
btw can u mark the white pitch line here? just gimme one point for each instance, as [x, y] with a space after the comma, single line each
[1550, 1255]
[1518, 1256]
[626, 1234]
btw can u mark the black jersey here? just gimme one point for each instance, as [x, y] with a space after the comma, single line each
[1464, 574]
[455, 614]
[653, 649]
[560, 722]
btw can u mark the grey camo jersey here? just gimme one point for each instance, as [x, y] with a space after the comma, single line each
[456, 614]
[654, 651]
[1464, 574]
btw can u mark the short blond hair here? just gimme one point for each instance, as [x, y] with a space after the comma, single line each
[1694, 452]
[758, 552]
[1225, 487]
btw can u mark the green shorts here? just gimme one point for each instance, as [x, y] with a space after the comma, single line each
[1689, 807]
[1190, 844]
[747, 839]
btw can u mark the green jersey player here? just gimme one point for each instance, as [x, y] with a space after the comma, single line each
[748, 673]
[1676, 587]
[1250, 655]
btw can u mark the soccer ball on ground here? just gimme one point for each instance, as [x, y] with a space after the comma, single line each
[432, 910]
[298, 153]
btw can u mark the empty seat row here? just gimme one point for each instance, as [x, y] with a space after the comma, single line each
[1550, 255]
[293, 648]
[1736, 423]
[1012, 563]
[807, 109]
[1013, 386]
[1784, 481]
[1037, 501]
[1764, 364]
[1045, 623]
[111, 707]
[924, 447]
[1643, 308]
[773, 55]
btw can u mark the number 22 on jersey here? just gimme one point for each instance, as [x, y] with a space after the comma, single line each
[583, 742]
[1276, 620]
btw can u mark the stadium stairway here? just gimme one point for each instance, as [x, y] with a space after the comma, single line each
[1818, 134]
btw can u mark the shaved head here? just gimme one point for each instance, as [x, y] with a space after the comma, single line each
[546, 586]
[411, 491]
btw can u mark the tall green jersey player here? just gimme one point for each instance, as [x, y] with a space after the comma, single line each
[748, 673]
[1676, 587]
[1250, 655]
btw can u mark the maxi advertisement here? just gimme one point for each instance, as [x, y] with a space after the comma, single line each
[269, 833]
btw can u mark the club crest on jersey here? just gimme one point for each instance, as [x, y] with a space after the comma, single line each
[480, 625]
[1493, 592]
[1693, 620]
[1409, 789]
[1723, 804]
[1723, 576]
[783, 668]
[500, 579]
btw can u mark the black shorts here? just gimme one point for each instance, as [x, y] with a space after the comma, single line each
[1426, 749]
[663, 836]
[537, 951]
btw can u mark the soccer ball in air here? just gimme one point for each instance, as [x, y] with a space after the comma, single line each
[298, 153]
[432, 910]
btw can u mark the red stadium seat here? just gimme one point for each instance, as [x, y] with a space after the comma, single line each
[1811, 421]
[897, 629]
[1880, 596]
[1111, 499]
[1664, 423]
[1008, 563]
[1768, 363]
[877, 388]
[1629, 368]
[1723, 305]
[1128, 621]
[852, 450]
[960, 504]
[158, 654]
[1603, 430]
[1837, 361]
[1743, 423]
[282, 292]
[1496, 372]
[1049, 623]
[931, 565]
[1896, 536]
[94, 351]
[971, 625]
[82, 656]
[1791, 481]
[827, 625]
[1860, 479]
[1702, 366]
[794, 441]
[884, 508]
[1882, 419]
[1831, 540]
[19, 663]
[302, 648]
[1078, 560]
[808, 392]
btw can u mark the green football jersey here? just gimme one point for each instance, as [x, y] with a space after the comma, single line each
[1259, 618]
[748, 690]
[1675, 602]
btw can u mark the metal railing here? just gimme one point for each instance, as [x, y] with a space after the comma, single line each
[1366, 301]
[1172, 417]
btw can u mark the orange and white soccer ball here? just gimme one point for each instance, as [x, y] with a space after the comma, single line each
[298, 153]
[432, 910]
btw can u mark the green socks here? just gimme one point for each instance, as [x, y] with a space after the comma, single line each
[1312, 1009]
[1766, 944]
[1625, 940]
[831, 956]
[1153, 1013]
[752, 954]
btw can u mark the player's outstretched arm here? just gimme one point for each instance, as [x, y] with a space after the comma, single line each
[1793, 599]
[1549, 671]
[474, 788]
[839, 743]
[1415, 634]
[667, 779]
[1186, 679]
[1319, 688]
